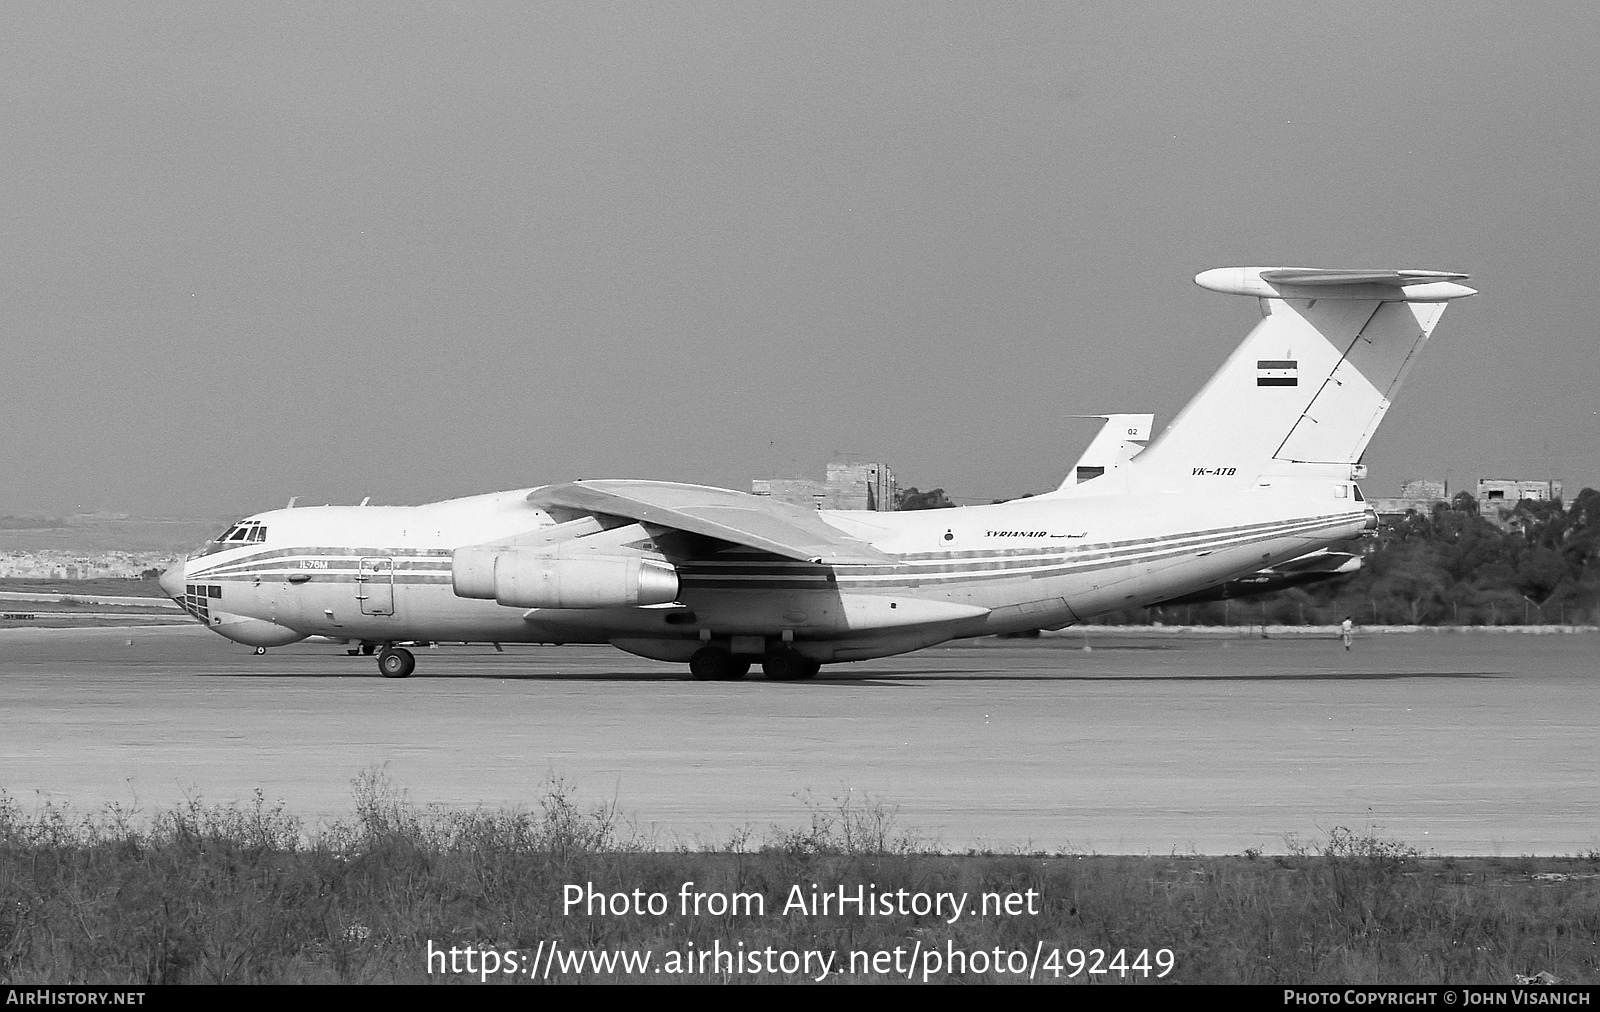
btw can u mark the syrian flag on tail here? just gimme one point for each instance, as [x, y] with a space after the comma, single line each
[1277, 372]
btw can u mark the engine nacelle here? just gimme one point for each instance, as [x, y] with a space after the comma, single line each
[542, 578]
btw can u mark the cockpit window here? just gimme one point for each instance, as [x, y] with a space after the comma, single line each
[244, 532]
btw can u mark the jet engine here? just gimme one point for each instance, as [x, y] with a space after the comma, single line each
[542, 578]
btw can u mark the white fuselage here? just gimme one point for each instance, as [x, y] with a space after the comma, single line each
[382, 574]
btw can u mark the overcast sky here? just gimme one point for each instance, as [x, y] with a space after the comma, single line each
[418, 251]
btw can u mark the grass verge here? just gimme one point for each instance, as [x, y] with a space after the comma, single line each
[213, 893]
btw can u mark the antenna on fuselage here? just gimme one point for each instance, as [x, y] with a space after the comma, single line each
[291, 502]
[366, 500]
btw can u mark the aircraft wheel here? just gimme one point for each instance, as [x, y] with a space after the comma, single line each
[712, 665]
[261, 651]
[395, 662]
[787, 666]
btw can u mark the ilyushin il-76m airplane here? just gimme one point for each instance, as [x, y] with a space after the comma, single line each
[1258, 469]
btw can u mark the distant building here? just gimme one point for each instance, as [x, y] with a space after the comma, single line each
[850, 485]
[1498, 496]
[1419, 494]
[1425, 489]
[80, 566]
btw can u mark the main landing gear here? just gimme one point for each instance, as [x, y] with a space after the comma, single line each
[788, 666]
[712, 664]
[396, 662]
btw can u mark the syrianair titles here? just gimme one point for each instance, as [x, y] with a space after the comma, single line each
[1258, 471]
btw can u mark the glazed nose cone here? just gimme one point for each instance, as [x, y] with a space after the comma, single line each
[172, 581]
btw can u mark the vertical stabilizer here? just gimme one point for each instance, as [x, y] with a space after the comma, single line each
[1119, 440]
[1311, 382]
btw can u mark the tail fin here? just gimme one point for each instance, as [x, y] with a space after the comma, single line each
[1311, 382]
[1119, 440]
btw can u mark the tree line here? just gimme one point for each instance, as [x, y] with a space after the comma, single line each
[1447, 566]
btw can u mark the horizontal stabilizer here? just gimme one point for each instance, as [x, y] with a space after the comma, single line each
[1342, 283]
[1320, 276]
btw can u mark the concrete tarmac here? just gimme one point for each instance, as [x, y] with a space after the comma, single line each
[1455, 743]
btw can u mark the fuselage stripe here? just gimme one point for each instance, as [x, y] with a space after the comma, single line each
[343, 565]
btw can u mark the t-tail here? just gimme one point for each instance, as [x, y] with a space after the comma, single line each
[1305, 391]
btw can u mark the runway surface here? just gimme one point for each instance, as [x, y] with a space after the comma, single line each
[1456, 743]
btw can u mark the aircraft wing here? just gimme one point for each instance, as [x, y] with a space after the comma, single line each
[753, 521]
